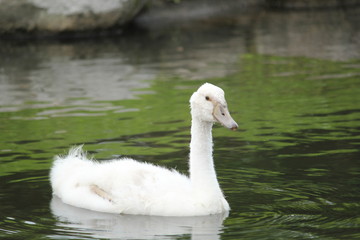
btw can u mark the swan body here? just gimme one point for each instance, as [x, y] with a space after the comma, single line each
[127, 186]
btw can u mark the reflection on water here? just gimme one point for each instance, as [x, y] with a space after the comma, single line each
[291, 171]
[317, 34]
[109, 69]
[60, 73]
[102, 225]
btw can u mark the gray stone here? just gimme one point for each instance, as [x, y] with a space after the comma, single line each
[54, 16]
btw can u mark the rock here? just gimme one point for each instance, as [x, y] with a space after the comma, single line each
[56, 16]
[311, 4]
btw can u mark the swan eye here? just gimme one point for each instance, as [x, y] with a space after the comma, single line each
[207, 98]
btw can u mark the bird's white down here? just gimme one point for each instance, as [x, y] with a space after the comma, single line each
[127, 186]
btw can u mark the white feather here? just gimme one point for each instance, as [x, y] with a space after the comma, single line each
[131, 187]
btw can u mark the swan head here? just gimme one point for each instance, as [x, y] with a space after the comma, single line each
[208, 104]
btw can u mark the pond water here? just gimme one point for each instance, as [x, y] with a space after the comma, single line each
[291, 171]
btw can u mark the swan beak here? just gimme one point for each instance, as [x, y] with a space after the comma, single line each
[222, 115]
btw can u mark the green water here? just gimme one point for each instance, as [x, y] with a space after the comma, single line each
[291, 171]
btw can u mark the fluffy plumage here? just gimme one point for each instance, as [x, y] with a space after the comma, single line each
[131, 187]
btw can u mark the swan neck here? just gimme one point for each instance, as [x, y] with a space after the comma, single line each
[202, 172]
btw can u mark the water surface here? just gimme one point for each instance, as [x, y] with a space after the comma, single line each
[291, 171]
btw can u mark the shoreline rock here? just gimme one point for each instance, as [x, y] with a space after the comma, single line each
[22, 19]
[57, 16]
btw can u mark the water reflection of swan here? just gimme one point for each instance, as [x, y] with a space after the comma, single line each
[131, 187]
[73, 220]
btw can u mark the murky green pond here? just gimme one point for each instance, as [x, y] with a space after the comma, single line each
[291, 171]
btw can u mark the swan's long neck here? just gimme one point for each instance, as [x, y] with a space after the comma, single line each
[202, 172]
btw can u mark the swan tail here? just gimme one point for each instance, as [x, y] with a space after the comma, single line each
[66, 171]
[73, 180]
[68, 166]
[74, 152]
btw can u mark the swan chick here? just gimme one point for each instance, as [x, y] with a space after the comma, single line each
[127, 186]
